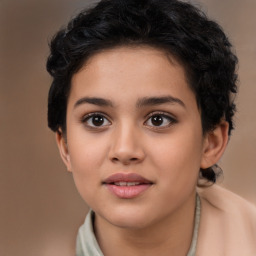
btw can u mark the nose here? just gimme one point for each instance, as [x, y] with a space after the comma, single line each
[126, 147]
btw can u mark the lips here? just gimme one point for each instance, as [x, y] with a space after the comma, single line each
[127, 185]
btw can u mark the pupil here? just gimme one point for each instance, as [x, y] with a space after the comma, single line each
[98, 120]
[157, 120]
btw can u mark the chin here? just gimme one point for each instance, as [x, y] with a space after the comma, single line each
[129, 218]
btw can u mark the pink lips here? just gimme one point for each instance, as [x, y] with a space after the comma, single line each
[127, 185]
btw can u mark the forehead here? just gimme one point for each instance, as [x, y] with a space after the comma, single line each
[130, 71]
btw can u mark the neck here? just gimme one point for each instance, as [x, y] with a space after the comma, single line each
[172, 234]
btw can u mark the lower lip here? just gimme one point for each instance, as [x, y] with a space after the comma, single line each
[127, 192]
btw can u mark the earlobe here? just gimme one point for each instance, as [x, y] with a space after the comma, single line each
[63, 149]
[215, 143]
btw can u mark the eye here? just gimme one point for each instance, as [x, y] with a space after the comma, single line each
[160, 120]
[95, 120]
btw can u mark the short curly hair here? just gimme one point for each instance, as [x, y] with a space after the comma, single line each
[176, 27]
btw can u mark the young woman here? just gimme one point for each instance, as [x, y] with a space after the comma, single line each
[141, 103]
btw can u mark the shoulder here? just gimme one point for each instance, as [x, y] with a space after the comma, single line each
[225, 200]
[228, 223]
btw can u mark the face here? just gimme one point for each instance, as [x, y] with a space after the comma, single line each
[134, 136]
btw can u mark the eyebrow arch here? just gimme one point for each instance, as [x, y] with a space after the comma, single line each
[95, 101]
[151, 101]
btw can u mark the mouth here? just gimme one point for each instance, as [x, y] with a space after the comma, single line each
[127, 185]
[123, 183]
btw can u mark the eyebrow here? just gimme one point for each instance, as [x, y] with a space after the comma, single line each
[95, 101]
[153, 101]
[142, 102]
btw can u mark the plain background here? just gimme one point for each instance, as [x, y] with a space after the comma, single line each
[40, 207]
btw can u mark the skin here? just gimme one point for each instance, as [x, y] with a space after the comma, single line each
[160, 220]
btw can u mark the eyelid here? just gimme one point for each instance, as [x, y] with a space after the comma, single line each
[163, 113]
[85, 116]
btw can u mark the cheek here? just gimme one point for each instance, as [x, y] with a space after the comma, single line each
[86, 151]
[87, 154]
[178, 156]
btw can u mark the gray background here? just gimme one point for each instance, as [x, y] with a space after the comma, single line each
[40, 208]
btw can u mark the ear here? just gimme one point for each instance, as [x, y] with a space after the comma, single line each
[63, 149]
[215, 143]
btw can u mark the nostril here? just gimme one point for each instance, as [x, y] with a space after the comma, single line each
[125, 161]
[115, 159]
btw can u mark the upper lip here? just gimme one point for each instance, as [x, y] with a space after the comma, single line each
[126, 177]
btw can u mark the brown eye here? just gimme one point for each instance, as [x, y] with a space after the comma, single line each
[157, 120]
[160, 120]
[96, 120]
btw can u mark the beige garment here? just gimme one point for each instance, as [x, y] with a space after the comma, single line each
[227, 227]
[227, 224]
[87, 245]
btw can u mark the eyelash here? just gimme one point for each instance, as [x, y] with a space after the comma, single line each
[170, 119]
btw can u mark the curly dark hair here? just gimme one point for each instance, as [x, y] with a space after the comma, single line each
[176, 27]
